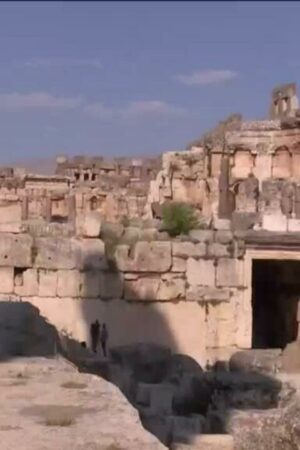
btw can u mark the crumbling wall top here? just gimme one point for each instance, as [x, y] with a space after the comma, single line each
[284, 101]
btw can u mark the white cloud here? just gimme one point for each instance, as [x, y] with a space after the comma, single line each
[98, 110]
[206, 77]
[36, 101]
[61, 62]
[151, 108]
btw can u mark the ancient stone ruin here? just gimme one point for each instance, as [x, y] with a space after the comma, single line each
[89, 242]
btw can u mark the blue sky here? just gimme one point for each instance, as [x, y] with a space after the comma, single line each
[134, 78]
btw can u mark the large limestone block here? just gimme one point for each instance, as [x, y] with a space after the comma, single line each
[230, 273]
[208, 442]
[111, 285]
[178, 265]
[207, 294]
[15, 250]
[47, 283]
[200, 273]
[222, 224]
[293, 225]
[27, 283]
[219, 327]
[274, 222]
[202, 235]
[224, 236]
[188, 249]
[161, 398]
[92, 224]
[142, 289]
[90, 284]
[68, 283]
[12, 227]
[56, 253]
[171, 288]
[11, 213]
[217, 250]
[92, 255]
[146, 257]
[6, 280]
[105, 285]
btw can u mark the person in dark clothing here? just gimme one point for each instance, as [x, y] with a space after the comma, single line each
[103, 339]
[95, 332]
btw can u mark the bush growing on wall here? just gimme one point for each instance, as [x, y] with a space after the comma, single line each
[178, 218]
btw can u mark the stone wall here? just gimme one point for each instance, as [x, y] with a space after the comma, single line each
[185, 293]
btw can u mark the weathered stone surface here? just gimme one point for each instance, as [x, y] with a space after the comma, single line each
[90, 284]
[68, 283]
[274, 222]
[230, 272]
[142, 289]
[12, 227]
[208, 442]
[15, 250]
[111, 285]
[293, 225]
[155, 289]
[146, 257]
[47, 283]
[219, 329]
[291, 357]
[112, 231]
[6, 280]
[92, 224]
[29, 283]
[244, 221]
[224, 236]
[171, 288]
[200, 273]
[178, 264]
[115, 425]
[56, 253]
[91, 254]
[188, 249]
[217, 250]
[161, 397]
[148, 234]
[265, 361]
[131, 235]
[207, 294]
[222, 224]
[202, 235]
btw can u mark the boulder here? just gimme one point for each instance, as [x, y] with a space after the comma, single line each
[258, 360]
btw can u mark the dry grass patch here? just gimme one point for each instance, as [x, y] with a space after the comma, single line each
[57, 415]
[18, 383]
[73, 385]
[9, 428]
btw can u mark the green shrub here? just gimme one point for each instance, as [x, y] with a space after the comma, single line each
[179, 218]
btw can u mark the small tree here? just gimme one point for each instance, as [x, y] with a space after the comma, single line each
[178, 218]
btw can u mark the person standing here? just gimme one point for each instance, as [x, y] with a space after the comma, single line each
[103, 339]
[95, 332]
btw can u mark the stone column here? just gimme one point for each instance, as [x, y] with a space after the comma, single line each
[297, 202]
[47, 209]
[71, 207]
[24, 208]
[225, 195]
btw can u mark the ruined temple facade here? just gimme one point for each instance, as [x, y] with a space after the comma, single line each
[233, 283]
